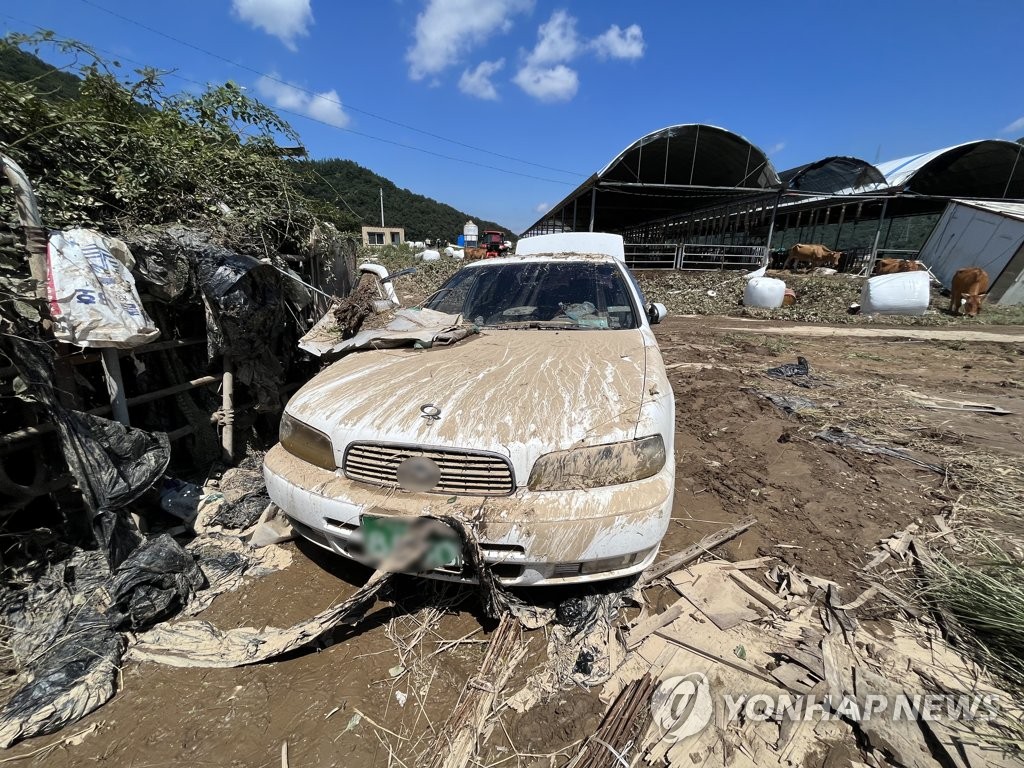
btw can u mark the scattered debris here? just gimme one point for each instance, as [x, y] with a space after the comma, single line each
[787, 403]
[67, 630]
[688, 555]
[457, 739]
[849, 440]
[945, 404]
[798, 373]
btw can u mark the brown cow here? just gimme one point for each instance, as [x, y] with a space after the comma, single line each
[815, 256]
[892, 266]
[969, 289]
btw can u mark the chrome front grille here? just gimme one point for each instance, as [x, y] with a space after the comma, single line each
[461, 472]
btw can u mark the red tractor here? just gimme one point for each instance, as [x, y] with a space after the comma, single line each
[493, 243]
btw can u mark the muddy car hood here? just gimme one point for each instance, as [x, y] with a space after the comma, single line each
[521, 393]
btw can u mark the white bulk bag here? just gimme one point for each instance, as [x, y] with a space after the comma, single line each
[92, 294]
[902, 293]
[429, 255]
[764, 292]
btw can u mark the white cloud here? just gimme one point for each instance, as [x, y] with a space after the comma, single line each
[477, 82]
[542, 208]
[558, 83]
[617, 43]
[447, 29]
[557, 41]
[324, 105]
[774, 149]
[543, 74]
[284, 19]
[1016, 126]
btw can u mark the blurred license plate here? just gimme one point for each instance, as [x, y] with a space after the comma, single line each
[381, 534]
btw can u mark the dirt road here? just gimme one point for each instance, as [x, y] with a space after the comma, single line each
[379, 693]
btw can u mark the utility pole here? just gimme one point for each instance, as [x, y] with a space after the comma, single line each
[382, 206]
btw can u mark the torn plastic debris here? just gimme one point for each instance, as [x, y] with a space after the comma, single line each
[247, 302]
[839, 436]
[420, 328]
[112, 463]
[200, 644]
[798, 373]
[66, 630]
[789, 404]
[227, 562]
[240, 500]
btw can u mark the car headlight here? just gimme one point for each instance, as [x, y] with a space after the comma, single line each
[599, 465]
[306, 443]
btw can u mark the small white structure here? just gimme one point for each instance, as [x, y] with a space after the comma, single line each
[980, 233]
[471, 233]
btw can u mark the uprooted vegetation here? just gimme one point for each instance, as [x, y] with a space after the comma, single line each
[129, 152]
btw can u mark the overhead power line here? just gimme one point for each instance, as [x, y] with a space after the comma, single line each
[354, 132]
[311, 92]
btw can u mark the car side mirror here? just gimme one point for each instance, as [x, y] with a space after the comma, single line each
[656, 312]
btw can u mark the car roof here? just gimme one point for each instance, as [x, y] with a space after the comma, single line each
[544, 257]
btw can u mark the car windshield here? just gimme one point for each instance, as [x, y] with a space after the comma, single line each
[539, 294]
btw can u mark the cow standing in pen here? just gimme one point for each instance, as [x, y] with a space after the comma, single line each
[813, 255]
[968, 291]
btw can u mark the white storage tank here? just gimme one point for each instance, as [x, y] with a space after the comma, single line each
[472, 234]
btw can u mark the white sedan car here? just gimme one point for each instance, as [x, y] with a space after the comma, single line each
[548, 435]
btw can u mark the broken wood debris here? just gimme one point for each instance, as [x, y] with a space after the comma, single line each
[691, 553]
[457, 741]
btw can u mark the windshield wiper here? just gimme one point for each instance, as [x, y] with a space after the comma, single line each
[539, 325]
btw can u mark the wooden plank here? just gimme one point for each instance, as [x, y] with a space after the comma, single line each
[691, 553]
[637, 634]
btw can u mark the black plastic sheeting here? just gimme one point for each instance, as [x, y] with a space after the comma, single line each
[243, 513]
[66, 630]
[112, 464]
[247, 302]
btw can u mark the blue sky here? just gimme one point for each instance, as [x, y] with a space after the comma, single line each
[567, 85]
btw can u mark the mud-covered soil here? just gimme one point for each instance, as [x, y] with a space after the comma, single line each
[818, 506]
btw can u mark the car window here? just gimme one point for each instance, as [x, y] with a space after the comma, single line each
[636, 287]
[563, 294]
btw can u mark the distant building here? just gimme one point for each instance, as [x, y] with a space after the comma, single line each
[383, 235]
[471, 234]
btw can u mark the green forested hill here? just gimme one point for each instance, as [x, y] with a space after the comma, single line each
[18, 66]
[422, 217]
[342, 183]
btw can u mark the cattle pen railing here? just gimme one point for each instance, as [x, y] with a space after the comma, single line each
[694, 256]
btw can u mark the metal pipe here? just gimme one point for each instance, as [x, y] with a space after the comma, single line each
[382, 272]
[227, 409]
[115, 384]
[31, 221]
[878, 233]
[771, 224]
[11, 438]
[593, 206]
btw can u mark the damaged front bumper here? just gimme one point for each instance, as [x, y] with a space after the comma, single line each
[526, 539]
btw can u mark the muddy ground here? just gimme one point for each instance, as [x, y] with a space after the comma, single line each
[819, 506]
